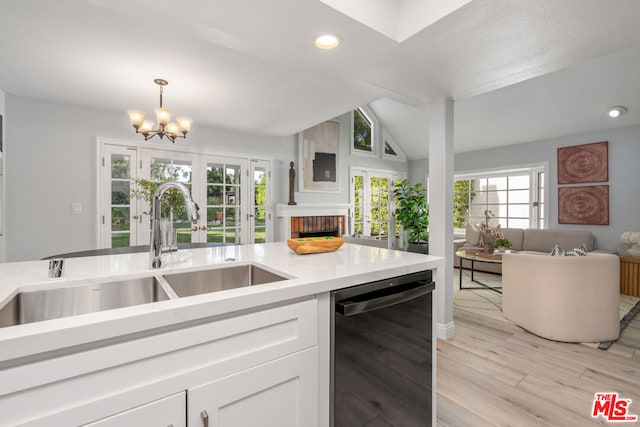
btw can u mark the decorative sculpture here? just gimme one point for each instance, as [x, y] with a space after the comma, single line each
[488, 234]
[292, 176]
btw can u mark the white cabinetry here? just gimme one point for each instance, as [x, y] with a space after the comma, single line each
[263, 361]
[281, 393]
[170, 411]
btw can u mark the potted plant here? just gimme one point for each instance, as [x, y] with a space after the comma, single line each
[502, 243]
[412, 212]
[631, 240]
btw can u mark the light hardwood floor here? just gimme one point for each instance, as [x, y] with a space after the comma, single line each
[495, 373]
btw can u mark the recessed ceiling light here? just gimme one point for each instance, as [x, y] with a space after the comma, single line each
[616, 112]
[327, 41]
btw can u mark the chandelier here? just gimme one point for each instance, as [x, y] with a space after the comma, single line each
[165, 128]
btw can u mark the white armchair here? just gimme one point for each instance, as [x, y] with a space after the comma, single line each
[563, 298]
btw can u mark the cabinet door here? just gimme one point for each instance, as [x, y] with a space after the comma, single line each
[170, 411]
[281, 393]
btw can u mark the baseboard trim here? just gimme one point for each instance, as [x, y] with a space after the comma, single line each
[445, 331]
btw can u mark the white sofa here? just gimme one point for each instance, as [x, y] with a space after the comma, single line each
[527, 240]
[563, 298]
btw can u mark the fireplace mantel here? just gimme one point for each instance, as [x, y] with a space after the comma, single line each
[285, 212]
[312, 209]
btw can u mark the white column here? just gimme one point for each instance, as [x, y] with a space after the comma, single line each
[441, 210]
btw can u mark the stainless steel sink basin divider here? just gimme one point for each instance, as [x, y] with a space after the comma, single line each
[35, 306]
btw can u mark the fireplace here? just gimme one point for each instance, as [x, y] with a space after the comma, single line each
[312, 220]
[317, 226]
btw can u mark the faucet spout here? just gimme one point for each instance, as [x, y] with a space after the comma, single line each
[155, 247]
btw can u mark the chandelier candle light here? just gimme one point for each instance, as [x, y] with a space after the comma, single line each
[165, 128]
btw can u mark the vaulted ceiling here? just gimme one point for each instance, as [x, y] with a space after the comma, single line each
[518, 70]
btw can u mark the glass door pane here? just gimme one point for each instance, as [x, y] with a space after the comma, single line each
[120, 216]
[379, 207]
[260, 202]
[120, 210]
[358, 204]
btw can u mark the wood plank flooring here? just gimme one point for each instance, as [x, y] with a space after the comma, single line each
[496, 373]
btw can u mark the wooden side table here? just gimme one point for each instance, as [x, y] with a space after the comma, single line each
[630, 276]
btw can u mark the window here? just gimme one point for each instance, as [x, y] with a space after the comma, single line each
[515, 197]
[388, 150]
[363, 138]
[362, 131]
[391, 150]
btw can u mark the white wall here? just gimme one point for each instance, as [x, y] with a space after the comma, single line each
[345, 161]
[52, 163]
[51, 154]
[3, 254]
[624, 176]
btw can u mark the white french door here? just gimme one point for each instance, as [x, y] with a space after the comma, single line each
[120, 214]
[222, 197]
[157, 166]
[260, 211]
[373, 208]
[234, 195]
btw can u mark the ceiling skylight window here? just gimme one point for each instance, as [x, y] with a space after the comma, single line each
[327, 42]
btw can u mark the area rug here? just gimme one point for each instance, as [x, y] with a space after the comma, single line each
[624, 322]
[489, 304]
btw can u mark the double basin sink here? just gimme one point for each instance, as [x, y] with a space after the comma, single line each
[35, 306]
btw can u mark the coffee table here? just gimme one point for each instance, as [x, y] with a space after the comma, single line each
[478, 256]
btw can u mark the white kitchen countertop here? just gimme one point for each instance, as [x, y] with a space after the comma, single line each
[310, 275]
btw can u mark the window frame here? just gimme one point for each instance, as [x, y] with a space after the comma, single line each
[538, 218]
[370, 116]
[399, 156]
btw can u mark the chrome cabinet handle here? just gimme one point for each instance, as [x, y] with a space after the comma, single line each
[203, 228]
[205, 418]
[194, 228]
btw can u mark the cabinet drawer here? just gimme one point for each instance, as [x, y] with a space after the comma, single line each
[170, 411]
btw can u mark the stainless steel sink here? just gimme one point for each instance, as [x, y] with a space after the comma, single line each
[220, 279]
[35, 306]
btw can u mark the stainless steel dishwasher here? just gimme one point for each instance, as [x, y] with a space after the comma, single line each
[382, 353]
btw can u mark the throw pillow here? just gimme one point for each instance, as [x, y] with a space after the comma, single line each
[557, 251]
[579, 251]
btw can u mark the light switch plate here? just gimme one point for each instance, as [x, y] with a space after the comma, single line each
[76, 208]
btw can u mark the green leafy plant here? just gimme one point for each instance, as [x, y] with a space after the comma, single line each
[412, 210]
[502, 241]
[463, 195]
[144, 189]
